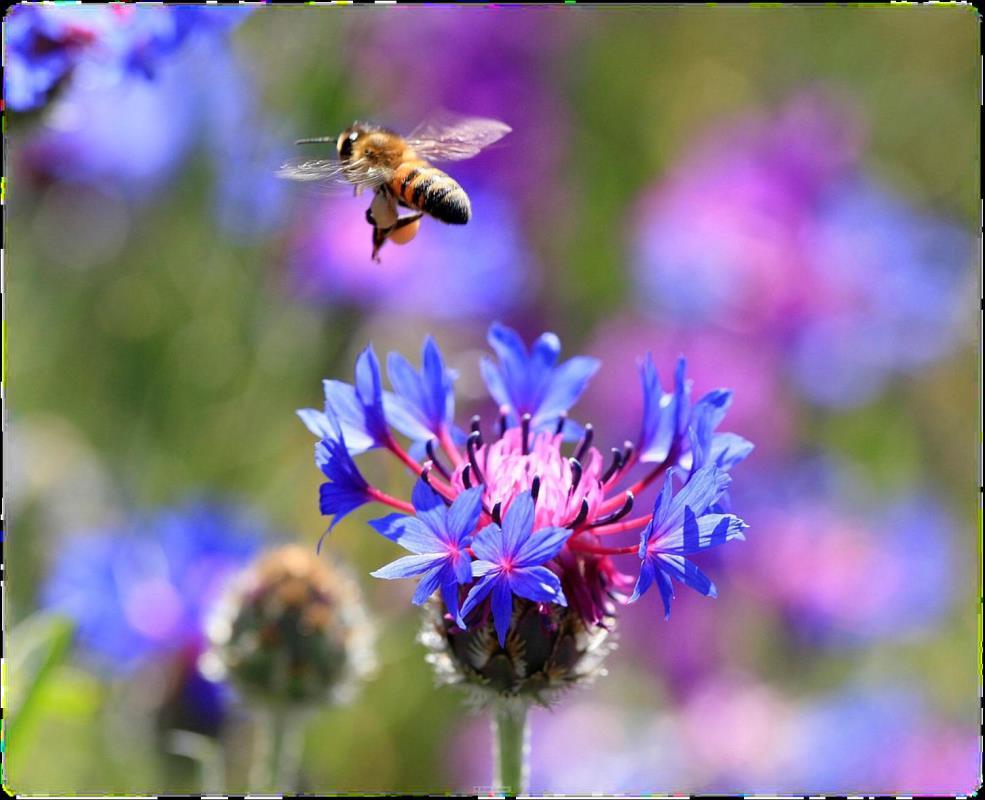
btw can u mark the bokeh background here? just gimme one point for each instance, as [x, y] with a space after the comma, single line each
[787, 196]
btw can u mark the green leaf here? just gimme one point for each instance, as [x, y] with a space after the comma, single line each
[37, 646]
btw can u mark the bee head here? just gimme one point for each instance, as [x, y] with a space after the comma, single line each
[350, 136]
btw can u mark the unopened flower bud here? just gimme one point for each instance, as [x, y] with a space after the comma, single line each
[547, 650]
[292, 630]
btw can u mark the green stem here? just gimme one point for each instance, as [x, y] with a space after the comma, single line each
[282, 737]
[511, 734]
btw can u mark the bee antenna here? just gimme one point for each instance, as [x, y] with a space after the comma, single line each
[315, 140]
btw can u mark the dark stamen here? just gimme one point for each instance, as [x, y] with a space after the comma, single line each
[426, 477]
[535, 487]
[560, 423]
[432, 454]
[614, 466]
[497, 514]
[586, 442]
[627, 451]
[582, 515]
[476, 422]
[525, 433]
[615, 516]
[467, 476]
[474, 440]
[575, 473]
[503, 420]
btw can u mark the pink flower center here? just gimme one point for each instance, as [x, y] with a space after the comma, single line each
[507, 472]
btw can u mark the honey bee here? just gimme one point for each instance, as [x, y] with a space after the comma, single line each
[398, 170]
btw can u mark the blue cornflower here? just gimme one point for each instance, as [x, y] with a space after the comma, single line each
[439, 537]
[146, 586]
[510, 562]
[681, 526]
[422, 405]
[346, 488]
[357, 409]
[665, 415]
[722, 450]
[532, 383]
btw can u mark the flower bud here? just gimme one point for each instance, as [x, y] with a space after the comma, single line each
[292, 630]
[548, 649]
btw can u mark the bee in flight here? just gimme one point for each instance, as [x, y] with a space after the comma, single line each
[398, 171]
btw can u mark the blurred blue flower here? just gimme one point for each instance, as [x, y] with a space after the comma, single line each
[153, 84]
[46, 43]
[144, 588]
[841, 570]
[453, 272]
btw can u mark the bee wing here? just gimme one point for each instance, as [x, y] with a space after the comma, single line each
[450, 137]
[332, 171]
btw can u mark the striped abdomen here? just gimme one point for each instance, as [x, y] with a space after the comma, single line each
[432, 191]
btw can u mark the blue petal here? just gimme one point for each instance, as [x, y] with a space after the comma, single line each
[337, 500]
[405, 418]
[687, 573]
[502, 608]
[488, 544]
[644, 581]
[316, 422]
[661, 507]
[428, 584]
[438, 383]
[703, 488]
[476, 595]
[482, 568]
[369, 387]
[666, 590]
[409, 566]
[430, 508]
[700, 533]
[728, 449]
[347, 489]
[566, 385]
[449, 593]
[406, 382]
[463, 515]
[410, 533]
[341, 399]
[538, 584]
[392, 526]
[712, 407]
[518, 524]
[542, 546]
[462, 566]
[496, 384]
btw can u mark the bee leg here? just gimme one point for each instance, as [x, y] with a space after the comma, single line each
[407, 220]
[369, 217]
[379, 237]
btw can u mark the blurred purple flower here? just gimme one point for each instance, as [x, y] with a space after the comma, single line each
[772, 231]
[844, 575]
[144, 588]
[446, 271]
